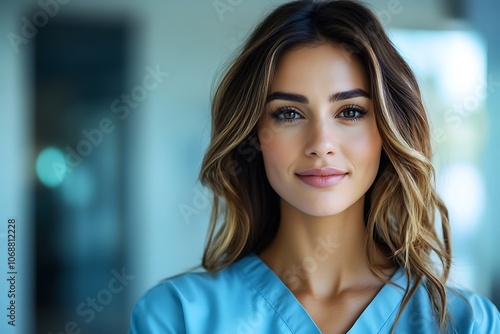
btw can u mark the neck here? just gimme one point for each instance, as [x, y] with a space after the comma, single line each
[320, 255]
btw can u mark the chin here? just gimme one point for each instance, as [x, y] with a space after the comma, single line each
[327, 207]
[322, 211]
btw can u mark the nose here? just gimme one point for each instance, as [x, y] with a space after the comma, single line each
[320, 139]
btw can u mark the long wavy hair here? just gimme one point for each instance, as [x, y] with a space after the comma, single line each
[402, 204]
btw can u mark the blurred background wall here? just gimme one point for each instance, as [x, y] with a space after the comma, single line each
[104, 119]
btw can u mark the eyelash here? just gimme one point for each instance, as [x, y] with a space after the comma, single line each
[357, 109]
[276, 115]
[280, 111]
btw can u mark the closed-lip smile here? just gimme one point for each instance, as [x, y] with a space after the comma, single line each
[322, 177]
[325, 171]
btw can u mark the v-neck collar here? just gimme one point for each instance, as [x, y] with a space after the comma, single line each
[270, 287]
[383, 307]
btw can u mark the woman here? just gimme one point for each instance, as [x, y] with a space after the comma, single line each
[324, 205]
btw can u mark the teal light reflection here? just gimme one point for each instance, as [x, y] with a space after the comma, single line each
[51, 167]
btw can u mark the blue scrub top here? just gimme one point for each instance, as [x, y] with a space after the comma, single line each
[248, 297]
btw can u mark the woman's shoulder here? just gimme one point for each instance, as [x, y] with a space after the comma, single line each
[189, 285]
[164, 307]
[150, 310]
[472, 311]
[469, 312]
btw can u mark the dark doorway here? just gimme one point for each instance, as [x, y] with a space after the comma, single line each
[80, 67]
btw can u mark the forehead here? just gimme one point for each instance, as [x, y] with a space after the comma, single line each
[311, 66]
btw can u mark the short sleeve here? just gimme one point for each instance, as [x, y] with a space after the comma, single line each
[159, 311]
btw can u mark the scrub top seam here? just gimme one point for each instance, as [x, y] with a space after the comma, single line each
[256, 261]
[274, 308]
[179, 295]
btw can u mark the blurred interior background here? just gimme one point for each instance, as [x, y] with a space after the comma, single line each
[105, 115]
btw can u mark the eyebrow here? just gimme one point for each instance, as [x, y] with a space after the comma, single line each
[339, 96]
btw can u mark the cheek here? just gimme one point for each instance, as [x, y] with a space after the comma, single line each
[364, 148]
[279, 151]
[273, 142]
[274, 150]
[271, 134]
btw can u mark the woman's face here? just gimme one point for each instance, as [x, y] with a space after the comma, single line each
[318, 134]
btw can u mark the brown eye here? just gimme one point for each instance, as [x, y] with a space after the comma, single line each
[286, 114]
[349, 113]
[352, 113]
[289, 114]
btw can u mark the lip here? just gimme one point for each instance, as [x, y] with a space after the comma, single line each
[325, 171]
[322, 177]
